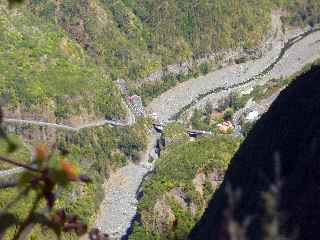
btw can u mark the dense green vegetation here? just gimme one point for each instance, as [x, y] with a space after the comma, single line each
[130, 39]
[177, 168]
[133, 38]
[104, 148]
[96, 151]
[22, 152]
[62, 56]
[302, 12]
[40, 65]
[108, 30]
[174, 133]
[42, 70]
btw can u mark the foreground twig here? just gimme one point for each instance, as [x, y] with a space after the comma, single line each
[18, 164]
[23, 230]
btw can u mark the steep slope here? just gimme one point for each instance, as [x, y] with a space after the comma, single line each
[175, 195]
[282, 150]
[133, 38]
[119, 47]
[45, 73]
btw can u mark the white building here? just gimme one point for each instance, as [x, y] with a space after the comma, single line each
[252, 116]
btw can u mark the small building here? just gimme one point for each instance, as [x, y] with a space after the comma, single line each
[252, 116]
[216, 114]
[225, 126]
[135, 102]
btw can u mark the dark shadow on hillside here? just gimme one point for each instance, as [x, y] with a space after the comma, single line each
[291, 131]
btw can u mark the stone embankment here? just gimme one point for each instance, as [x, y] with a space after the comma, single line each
[283, 60]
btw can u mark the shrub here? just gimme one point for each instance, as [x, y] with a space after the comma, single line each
[177, 167]
[246, 128]
[228, 114]
[204, 68]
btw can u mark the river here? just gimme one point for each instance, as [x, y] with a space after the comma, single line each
[285, 58]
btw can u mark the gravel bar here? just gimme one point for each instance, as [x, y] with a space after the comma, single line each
[300, 53]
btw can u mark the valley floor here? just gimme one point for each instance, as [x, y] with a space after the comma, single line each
[301, 53]
[119, 206]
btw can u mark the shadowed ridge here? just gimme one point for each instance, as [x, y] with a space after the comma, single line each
[290, 130]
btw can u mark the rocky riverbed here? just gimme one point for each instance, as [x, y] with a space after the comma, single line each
[302, 52]
[119, 206]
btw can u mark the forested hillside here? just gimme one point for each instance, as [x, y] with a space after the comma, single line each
[59, 60]
[132, 38]
[43, 71]
[176, 195]
[94, 151]
[53, 51]
[303, 12]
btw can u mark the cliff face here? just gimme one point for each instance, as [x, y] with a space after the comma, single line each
[289, 133]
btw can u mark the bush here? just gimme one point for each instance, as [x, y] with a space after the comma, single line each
[208, 109]
[197, 120]
[177, 167]
[204, 68]
[233, 100]
[174, 133]
[133, 139]
[246, 128]
[228, 114]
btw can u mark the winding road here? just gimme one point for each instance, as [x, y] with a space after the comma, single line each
[65, 127]
[285, 58]
[130, 121]
[14, 171]
[118, 209]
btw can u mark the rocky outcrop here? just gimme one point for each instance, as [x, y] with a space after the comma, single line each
[199, 182]
[178, 195]
[163, 215]
[215, 178]
[282, 150]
